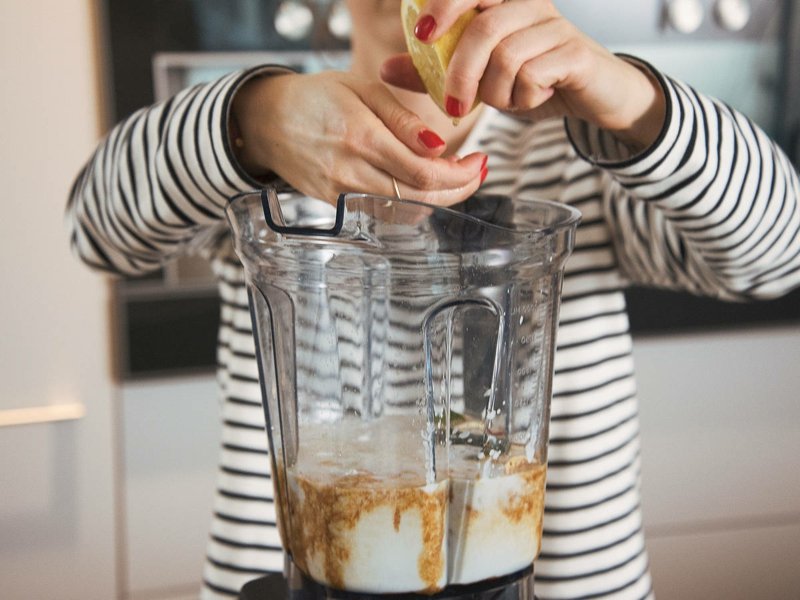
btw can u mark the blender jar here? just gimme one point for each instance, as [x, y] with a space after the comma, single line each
[405, 355]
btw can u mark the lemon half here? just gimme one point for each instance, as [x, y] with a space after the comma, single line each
[432, 60]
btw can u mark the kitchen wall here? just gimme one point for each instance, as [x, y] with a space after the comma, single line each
[56, 486]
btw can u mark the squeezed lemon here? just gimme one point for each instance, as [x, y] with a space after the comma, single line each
[432, 60]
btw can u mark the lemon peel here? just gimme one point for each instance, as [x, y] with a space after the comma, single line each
[432, 60]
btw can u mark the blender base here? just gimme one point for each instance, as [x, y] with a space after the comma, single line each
[296, 586]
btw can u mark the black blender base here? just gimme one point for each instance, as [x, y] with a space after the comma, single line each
[517, 586]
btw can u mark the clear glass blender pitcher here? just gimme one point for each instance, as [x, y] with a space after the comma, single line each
[405, 354]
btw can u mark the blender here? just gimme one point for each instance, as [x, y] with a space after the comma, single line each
[405, 358]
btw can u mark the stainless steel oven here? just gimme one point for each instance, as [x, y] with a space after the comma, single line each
[745, 52]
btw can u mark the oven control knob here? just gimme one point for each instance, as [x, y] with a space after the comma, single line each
[733, 15]
[293, 20]
[685, 16]
[339, 22]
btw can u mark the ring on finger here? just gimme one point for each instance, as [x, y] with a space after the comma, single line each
[396, 188]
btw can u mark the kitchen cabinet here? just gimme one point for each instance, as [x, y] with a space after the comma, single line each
[56, 510]
[743, 563]
[721, 488]
[170, 431]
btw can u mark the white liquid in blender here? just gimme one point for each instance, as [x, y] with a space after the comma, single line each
[362, 517]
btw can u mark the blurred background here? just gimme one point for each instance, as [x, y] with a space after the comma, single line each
[108, 406]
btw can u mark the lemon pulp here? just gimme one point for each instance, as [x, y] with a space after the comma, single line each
[432, 60]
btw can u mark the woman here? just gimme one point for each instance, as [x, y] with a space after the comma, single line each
[676, 191]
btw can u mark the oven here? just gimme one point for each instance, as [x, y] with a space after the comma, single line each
[745, 52]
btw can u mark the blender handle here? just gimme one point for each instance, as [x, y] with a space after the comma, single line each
[450, 305]
[272, 209]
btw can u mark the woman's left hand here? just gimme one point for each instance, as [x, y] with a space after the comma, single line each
[524, 57]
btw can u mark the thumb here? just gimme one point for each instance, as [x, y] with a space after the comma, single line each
[399, 71]
[405, 125]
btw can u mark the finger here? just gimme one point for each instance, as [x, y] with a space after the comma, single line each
[450, 197]
[370, 179]
[378, 146]
[484, 38]
[443, 197]
[374, 138]
[497, 85]
[539, 77]
[436, 175]
[357, 170]
[405, 125]
[529, 95]
[372, 141]
[400, 71]
[439, 15]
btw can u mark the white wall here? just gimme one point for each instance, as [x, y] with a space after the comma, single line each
[171, 442]
[56, 491]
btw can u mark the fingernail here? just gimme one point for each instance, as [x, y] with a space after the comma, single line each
[484, 173]
[424, 28]
[484, 161]
[453, 106]
[430, 140]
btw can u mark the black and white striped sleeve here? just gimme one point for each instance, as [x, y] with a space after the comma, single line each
[159, 180]
[711, 207]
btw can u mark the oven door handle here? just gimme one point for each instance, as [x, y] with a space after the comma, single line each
[36, 415]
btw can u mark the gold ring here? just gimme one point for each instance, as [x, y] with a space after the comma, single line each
[396, 188]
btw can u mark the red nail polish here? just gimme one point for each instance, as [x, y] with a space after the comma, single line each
[424, 28]
[484, 173]
[484, 161]
[430, 140]
[453, 106]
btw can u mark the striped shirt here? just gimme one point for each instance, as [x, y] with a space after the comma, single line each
[711, 208]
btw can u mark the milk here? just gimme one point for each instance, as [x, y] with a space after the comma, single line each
[362, 516]
[495, 524]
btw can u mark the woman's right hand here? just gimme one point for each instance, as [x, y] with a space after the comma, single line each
[332, 132]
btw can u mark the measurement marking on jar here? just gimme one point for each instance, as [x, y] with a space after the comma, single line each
[522, 309]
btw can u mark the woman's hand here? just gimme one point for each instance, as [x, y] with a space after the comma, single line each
[523, 57]
[331, 132]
